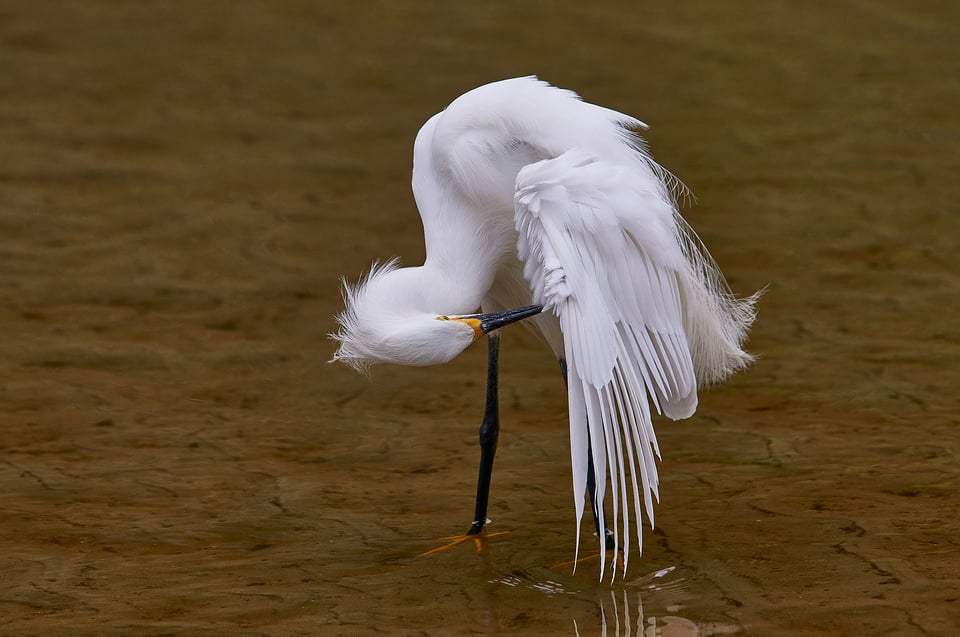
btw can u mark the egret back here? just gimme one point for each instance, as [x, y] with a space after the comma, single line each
[485, 136]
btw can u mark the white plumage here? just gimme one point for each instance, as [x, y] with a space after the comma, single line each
[530, 196]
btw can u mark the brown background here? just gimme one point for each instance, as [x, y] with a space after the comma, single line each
[181, 184]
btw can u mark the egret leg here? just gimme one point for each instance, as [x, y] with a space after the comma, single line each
[592, 481]
[489, 434]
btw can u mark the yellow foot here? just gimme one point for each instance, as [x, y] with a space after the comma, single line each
[479, 541]
[618, 559]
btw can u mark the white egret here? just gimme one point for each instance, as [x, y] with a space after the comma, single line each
[533, 199]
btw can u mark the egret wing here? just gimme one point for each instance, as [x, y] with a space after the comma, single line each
[601, 251]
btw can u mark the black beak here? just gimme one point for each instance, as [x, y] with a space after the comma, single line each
[495, 320]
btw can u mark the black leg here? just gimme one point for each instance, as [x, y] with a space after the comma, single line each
[591, 479]
[489, 433]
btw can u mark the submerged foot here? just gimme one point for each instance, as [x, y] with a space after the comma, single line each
[608, 541]
[616, 558]
[610, 551]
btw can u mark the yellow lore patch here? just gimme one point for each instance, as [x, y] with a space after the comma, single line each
[473, 323]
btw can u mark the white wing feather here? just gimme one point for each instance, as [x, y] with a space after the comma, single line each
[603, 252]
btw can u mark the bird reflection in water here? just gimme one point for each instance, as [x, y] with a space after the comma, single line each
[624, 620]
[621, 612]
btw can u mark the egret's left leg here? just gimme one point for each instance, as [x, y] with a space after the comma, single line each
[489, 434]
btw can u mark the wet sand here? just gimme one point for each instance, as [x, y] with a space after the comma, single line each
[182, 184]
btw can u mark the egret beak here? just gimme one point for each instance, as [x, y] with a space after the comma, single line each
[495, 320]
[485, 323]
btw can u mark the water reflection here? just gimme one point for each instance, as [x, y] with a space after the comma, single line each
[626, 620]
[672, 606]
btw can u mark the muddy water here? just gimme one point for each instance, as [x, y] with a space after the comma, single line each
[182, 183]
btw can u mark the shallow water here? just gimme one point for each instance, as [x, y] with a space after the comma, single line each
[183, 183]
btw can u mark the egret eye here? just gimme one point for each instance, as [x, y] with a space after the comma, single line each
[443, 318]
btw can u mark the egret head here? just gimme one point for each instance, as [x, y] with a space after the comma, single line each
[393, 316]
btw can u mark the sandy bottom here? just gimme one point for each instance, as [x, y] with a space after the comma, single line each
[182, 183]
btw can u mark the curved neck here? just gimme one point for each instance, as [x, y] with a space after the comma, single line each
[464, 243]
[426, 290]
